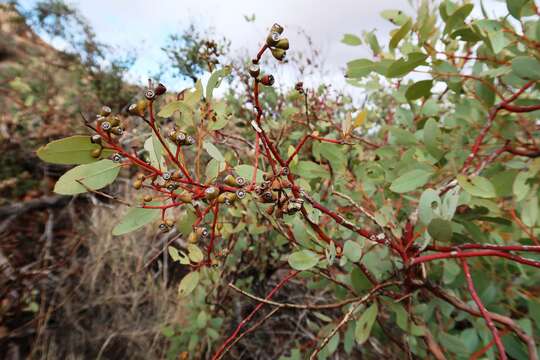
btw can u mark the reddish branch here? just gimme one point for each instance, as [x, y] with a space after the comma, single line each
[485, 314]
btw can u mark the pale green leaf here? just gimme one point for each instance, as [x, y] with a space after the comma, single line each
[94, 176]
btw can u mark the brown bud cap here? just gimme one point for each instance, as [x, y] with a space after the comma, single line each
[160, 89]
[267, 80]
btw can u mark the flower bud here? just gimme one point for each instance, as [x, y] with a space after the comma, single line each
[192, 238]
[185, 197]
[137, 184]
[117, 130]
[230, 180]
[114, 120]
[277, 28]
[267, 80]
[147, 198]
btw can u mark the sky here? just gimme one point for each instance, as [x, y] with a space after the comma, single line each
[143, 26]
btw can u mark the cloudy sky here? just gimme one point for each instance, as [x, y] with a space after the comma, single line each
[143, 25]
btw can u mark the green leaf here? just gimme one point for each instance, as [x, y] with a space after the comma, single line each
[185, 222]
[365, 323]
[440, 229]
[402, 137]
[410, 181]
[188, 283]
[71, 150]
[136, 218]
[246, 171]
[429, 206]
[404, 66]
[359, 68]
[521, 187]
[400, 34]
[350, 39]
[396, 17]
[526, 67]
[174, 106]
[155, 152]
[458, 17]
[213, 151]
[215, 80]
[515, 7]
[195, 254]
[420, 89]
[352, 250]
[529, 211]
[310, 170]
[94, 176]
[303, 260]
[177, 255]
[432, 134]
[477, 186]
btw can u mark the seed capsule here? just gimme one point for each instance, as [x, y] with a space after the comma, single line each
[283, 44]
[230, 180]
[160, 89]
[267, 80]
[150, 94]
[272, 38]
[114, 120]
[106, 126]
[163, 227]
[285, 171]
[277, 28]
[240, 181]
[254, 70]
[192, 238]
[105, 111]
[211, 192]
[202, 232]
[222, 198]
[147, 198]
[190, 140]
[140, 176]
[117, 158]
[166, 175]
[240, 194]
[95, 139]
[172, 186]
[96, 152]
[180, 138]
[278, 54]
[117, 130]
[137, 184]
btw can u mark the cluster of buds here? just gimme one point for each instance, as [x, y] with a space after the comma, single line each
[227, 197]
[273, 190]
[180, 138]
[108, 122]
[139, 108]
[277, 44]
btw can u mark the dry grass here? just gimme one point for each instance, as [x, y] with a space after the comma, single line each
[106, 304]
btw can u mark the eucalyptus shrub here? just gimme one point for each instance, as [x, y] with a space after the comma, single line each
[417, 217]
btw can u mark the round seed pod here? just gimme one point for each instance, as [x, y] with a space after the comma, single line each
[211, 192]
[163, 227]
[117, 158]
[95, 153]
[202, 232]
[106, 126]
[278, 54]
[105, 111]
[240, 181]
[166, 175]
[147, 198]
[172, 186]
[114, 120]
[172, 135]
[285, 171]
[132, 109]
[267, 80]
[150, 94]
[160, 89]
[254, 70]
[272, 38]
[192, 238]
[95, 139]
[117, 130]
[140, 176]
[180, 138]
[283, 44]
[137, 184]
[277, 28]
[190, 140]
[222, 198]
[240, 194]
[169, 223]
[230, 180]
